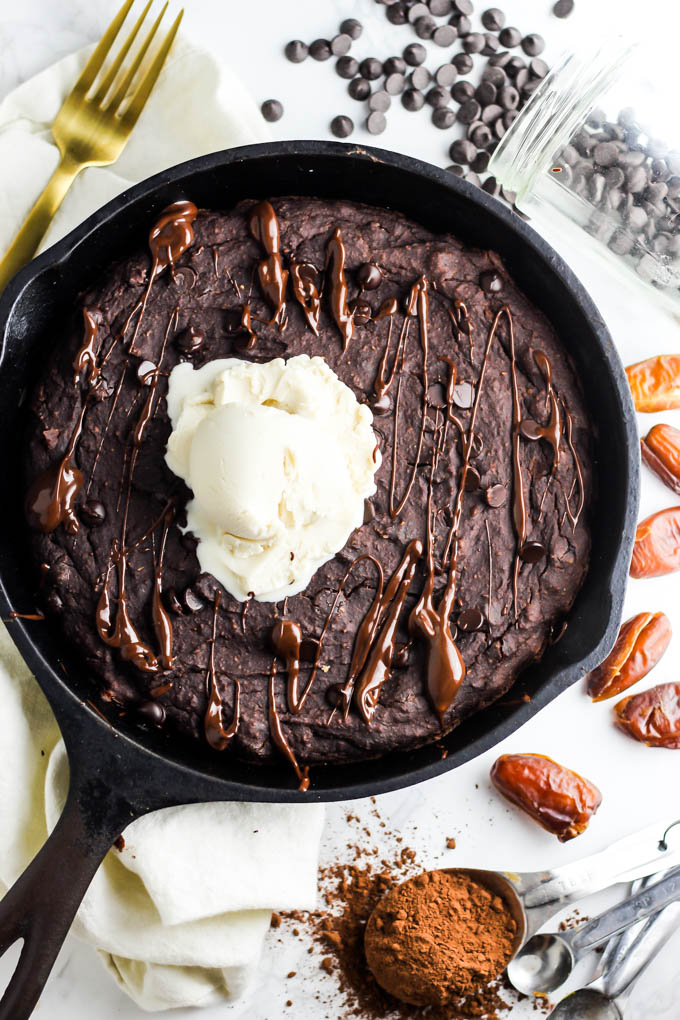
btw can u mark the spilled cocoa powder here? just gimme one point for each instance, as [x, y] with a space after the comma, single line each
[437, 937]
[350, 890]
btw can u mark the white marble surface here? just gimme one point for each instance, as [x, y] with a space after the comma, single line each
[639, 784]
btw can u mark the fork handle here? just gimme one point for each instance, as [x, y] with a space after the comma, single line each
[25, 244]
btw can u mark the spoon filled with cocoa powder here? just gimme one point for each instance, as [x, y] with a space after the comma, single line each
[442, 935]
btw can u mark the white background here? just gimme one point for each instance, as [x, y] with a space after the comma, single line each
[640, 785]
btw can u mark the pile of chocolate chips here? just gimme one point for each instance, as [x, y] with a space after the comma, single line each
[633, 182]
[512, 69]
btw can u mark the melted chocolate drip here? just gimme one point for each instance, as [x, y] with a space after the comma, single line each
[287, 639]
[279, 737]
[335, 269]
[215, 732]
[303, 276]
[379, 651]
[120, 632]
[162, 624]
[552, 430]
[85, 367]
[574, 516]
[51, 498]
[264, 227]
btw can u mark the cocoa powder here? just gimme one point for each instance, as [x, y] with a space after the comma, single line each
[437, 937]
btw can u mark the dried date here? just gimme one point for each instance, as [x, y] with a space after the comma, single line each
[656, 550]
[557, 798]
[641, 642]
[661, 452]
[653, 716]
[655, 383]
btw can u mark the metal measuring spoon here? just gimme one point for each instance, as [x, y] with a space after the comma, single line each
[547, 960]
[598, 1001]
[533, 897]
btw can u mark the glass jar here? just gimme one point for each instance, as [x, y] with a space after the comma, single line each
[596, 152]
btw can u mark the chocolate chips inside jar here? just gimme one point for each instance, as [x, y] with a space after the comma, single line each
[443, 358]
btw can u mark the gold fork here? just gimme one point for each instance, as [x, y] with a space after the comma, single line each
[92, 127]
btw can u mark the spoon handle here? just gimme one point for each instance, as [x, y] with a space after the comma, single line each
[644, 950]
[636, 908]
[618, 960]
[617, 946]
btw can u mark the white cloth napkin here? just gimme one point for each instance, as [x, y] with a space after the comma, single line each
[171, 927]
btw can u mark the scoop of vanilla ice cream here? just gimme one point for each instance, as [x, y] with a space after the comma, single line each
[280, 458]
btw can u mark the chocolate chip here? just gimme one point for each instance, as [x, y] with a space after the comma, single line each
[443, 117]
[193, 603]
[394, 65]
[359, 88]
[382, 404]
[490, 281]
[401, 657]
[470, 620]
[369, 276]
[413, 99]
[463, 394]
[510, 37]
[445, 75]
[370, 68]
[474, 42]
[495, 495]
[351, 27]
[380, 101]
[493, 19]
[420, 78]
[456, 170]
[333, 695]
[424, 27]
[491, 113]
[463, 63]
[308, 649]
[485, 93]
[397, 13]
[605, 153]
[462, 24]
[347, 67]
[174, 604]
[415, 54]
[463, 90]
[272, 110]
[463, 6]
[93, 512]
[438, 97]
[469, 111]
[342, 126]
[341, 44]
[514, 66]
[491, 44]
[320, 49]
[376, 122]
[538, 68]
[369, 511]
[462, 151]
[533, 44]
[190, 340]
[472, 479]
[297, 51]
[481, 161]
[532, 552]
[445, 35]
[361, 310]
[395, 83]
[563, 8]
[417, 10]
[508, 97]
[151, 712]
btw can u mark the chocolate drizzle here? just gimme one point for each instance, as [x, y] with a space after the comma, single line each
[303, 276]
[162, 624]
[551, 432]
[118, 631]
[417, 304]
[574, 516]
[264, 227]
[372, 655]
[445, 666]
[217, 735]
[287, 638]
[335, 273]
[51, 498]
[85, 367]
[279, 737]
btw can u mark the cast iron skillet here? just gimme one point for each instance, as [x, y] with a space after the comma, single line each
[118, 774]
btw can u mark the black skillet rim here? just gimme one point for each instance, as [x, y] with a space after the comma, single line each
[198, 784]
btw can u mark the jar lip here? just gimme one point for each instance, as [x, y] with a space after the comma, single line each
[554, 113]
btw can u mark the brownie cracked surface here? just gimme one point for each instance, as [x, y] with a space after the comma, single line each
[205, 290]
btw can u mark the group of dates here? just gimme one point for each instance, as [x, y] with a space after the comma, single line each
[559, 799]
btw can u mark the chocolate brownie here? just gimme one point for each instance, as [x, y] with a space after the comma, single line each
[431, 334]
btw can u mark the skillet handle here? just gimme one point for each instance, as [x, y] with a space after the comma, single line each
[41, 905]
